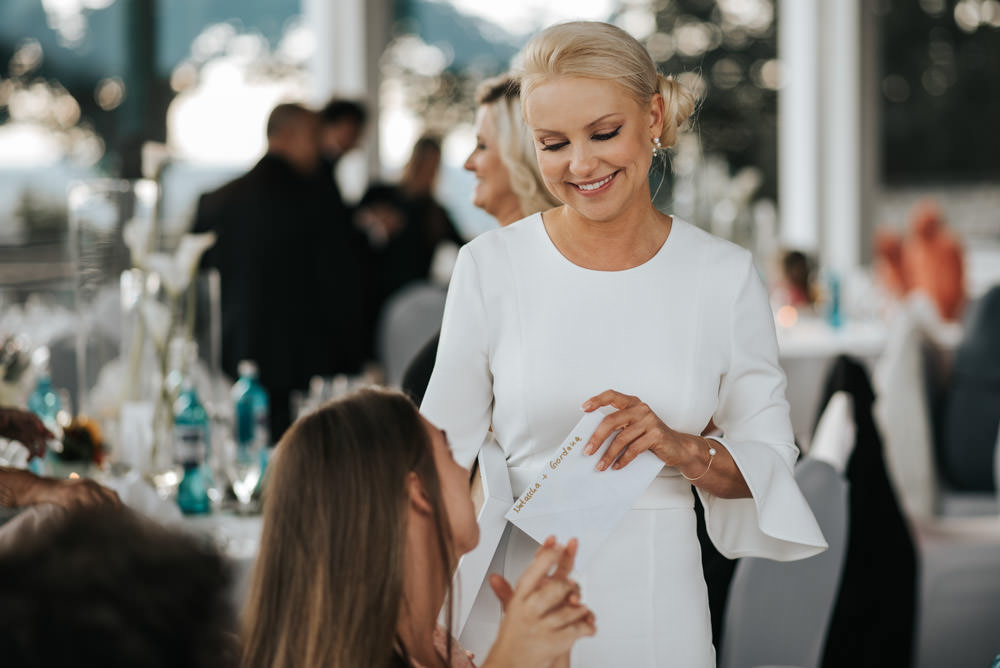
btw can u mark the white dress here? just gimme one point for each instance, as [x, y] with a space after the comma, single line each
[528, 336]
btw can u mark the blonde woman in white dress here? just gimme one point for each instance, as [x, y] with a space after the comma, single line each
[606, 301]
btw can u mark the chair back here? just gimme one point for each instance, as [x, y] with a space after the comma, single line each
[408, 320]
[778, 612]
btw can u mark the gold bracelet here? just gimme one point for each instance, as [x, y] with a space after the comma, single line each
[711, 458]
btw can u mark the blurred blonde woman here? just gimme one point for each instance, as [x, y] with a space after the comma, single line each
[366, 516]
[508, 184]
[605, 301]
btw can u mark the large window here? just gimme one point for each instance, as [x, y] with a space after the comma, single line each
[723, 173]
[940, 66]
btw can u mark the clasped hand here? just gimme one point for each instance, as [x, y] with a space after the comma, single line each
[543, 615]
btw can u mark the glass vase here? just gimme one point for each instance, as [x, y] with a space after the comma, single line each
[167, 337]
[98, 211]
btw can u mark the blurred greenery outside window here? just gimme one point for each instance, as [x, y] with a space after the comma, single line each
[939, 62]
[723, 174]
[87, 81]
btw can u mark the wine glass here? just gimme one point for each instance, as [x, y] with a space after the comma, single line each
[243, 468]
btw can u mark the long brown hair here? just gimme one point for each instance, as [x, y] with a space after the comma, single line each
[328, 582]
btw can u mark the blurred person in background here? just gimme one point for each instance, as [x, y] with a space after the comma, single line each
[105, 587]
[428, 222]
[406, 227]
[889, 263]
[928, 260]
[508, 183]
[287, 269]
[932, 260]
[20, 488]
[342, 124]
[968, 447]
[794, 287]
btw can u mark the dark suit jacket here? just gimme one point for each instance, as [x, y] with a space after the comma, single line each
[289, 273]
[874, 617]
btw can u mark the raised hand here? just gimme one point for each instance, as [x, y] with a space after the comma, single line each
[543, 614]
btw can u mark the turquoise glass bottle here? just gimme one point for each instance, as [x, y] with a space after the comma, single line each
[191, 451]
[251, 409]
[45, 403]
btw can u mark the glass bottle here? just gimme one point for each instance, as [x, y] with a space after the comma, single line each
[251, 408]
[246, 464]
[191, 451]
[45, 403]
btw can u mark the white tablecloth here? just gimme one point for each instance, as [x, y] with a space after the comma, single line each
[807, 350]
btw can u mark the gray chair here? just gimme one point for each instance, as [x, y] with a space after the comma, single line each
[778, 612]
[410, 317]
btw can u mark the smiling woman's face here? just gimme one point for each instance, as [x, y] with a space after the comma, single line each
[594, 144]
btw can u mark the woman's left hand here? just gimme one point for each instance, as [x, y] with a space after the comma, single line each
[641, 430]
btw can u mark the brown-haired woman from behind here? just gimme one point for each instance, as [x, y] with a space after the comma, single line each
[366, 517]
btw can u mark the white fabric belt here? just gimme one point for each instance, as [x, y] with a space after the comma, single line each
[668, 490]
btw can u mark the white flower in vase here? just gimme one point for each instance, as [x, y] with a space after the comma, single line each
[158, 320]
[161, 322]
[138, 236]
[178, 270]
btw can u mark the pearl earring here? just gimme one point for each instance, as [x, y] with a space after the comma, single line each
[656, 145]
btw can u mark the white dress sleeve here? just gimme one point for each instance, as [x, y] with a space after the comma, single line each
[753, 414]
[459, 396]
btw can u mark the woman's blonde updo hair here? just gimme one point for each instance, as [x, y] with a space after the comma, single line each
[502, 95]
[595, 50]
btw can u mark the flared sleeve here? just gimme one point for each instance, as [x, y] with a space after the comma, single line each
[459, 397]
[776, 523]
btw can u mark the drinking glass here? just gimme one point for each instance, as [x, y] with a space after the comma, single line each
[243, 468]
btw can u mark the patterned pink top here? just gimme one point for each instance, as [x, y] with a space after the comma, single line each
[459, 657]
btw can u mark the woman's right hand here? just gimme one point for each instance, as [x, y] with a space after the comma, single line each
[543, 614]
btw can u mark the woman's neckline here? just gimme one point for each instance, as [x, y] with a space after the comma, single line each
[660, 252]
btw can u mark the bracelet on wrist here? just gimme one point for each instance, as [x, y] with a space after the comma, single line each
[711, 458]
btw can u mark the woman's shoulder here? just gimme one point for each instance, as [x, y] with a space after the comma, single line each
[502, 243]
[704, 248]
[517, 232]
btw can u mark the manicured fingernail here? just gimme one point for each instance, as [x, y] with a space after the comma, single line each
[574, 599]
[589, 450]
[586, 405]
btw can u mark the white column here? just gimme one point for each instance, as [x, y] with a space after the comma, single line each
[827, 129]
[339, 65]
[350, 37]
[840, 138]
[799, 189]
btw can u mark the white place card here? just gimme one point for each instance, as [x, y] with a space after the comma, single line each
[571, 499]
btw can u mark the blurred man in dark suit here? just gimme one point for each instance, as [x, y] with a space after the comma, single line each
[289, 273]
[342, 123]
